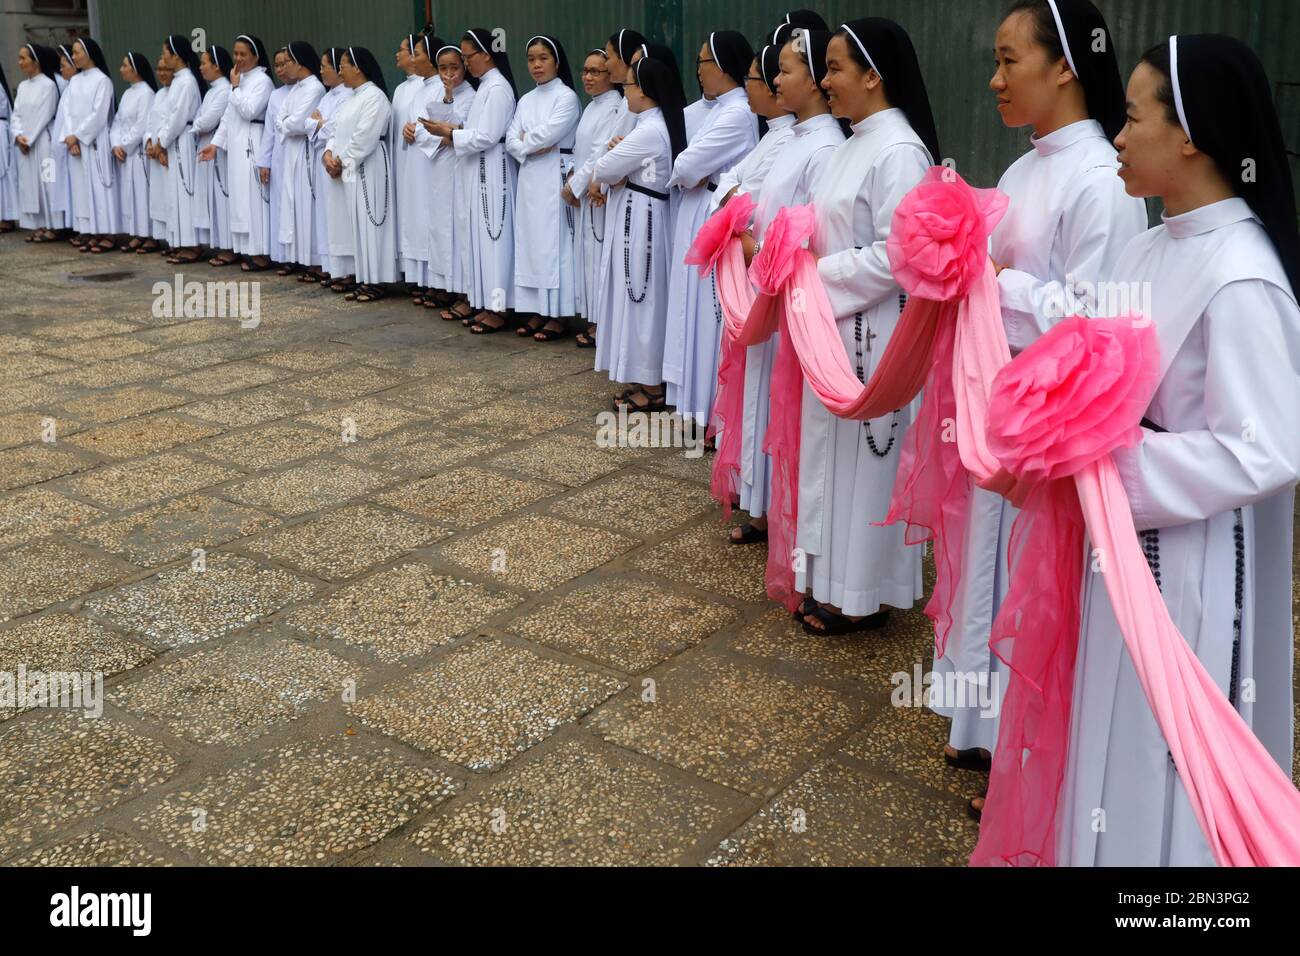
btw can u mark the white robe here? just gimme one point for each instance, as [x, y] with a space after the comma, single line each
[1219, 485]
[1069, 216]
[546, 118]
[211, 195]
[623, 122]
[35, 104]
[61, 188]
[10, 209]
[240, 136]
[176, 135]
[843, 485]
[298, 178]
[129, 131]
[728, 132]
[595, 129]
[360, 131]
[630, 345]
[748, 174]
[270, 156]
[159, 195]
[785, 180]
[409, 176]
[450, 187]
[492, 282]
[325, 191]
[94, 180]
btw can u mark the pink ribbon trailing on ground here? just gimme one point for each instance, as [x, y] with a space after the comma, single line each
[717, 249]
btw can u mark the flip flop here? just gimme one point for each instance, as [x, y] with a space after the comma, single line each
[969, 759]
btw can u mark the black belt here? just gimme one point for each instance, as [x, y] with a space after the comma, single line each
[259, 122]
[566, 152]
[712, 187]
[647, 192]
[1148, 423]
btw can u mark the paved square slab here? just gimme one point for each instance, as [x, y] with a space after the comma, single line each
[511, 419]
[173, 529]
[465, 497]
[189, 331]
[89, 329]
[234, 693]
[832, 816]
[567, 458]
[38, 575]
[32, 464]
[268, 446]
[907, 743]
[180, 606]
[625, 623]
[141, 436]
[220, 379]
[346, 542]
[119, 403]
[98, 350]
[303, 488]
[419, 451]
[731, 723]
[61, 767]
[97, 848]
[33, 394]
[702, 557]
[32, 514]
[448, 393]
[638, 504]
[579, 805]
[31, 365]
[401, 612]
[122, 371]
[348, 382]
[308, 359]
[204, 354]
[22, 428]
[484, 703]
[310, 803]
[367, 418]
[536, 551]
[140, 482]
[678, 464]
[71, 645]
[257, 407]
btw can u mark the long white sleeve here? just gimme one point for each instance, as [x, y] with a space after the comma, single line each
[372, 122]
[637, 151]
[129, 124]
[298, 107]
[725, 142]
[96, 118]
[182, 103]
[250, 97]
[212, 109]
[38, 108]
[496, 108]
[560, 122]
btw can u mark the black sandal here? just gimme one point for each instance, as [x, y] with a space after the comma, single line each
[528, 329]
[654, 403]
[549, 335]
[970, 759]
[584, 340]
[806, 607]
[835, 624]
[371, 293]
[749, 535]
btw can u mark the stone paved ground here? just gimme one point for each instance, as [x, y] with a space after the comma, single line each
[470, 636]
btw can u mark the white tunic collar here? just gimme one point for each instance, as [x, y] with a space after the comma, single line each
[1208, 218]
[732, 96]
[1059, 139]
[781, 122]
[646, 114]
[876, 120]
[606, 96]
[814, 123]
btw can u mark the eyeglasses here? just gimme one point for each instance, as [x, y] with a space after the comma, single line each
[589, 72]
[700, 61]
[755, 79]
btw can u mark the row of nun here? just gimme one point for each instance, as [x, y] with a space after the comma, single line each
[640, 170]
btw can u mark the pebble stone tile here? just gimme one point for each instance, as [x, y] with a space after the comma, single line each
[30, 366]
[418, 451]
[907, 743]
[731, 723]
[36, 576]
[37, 512]
[350, 382]
[638, 504]
[122, 371]
[96, 350]
[89, 329]
[61, 767]
[143, 481]
[232, 694]
[536, 552]
[140, 436]
[268, 446]
[578, 805]
[221, 379]
[464, 497]
[23, 428]
[33, 464]
[106, 407]
[467, 390]
[310, 803]
[401, 612]
[256, 407]
[625, 623]
[199, 355]
[96, 848]
[181, 606]
[307, 487]
[566, 458]
[484, 703]
[341, 544]
[512, 419]
[308, 359]
[703, 558]
[363, 419]
[173, 529]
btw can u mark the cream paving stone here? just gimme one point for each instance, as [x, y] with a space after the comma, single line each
[511, 419]
[581, 804]
[32, 395]
[71, 645]
[624, 623]
[419, 451]
[638, 504]
[268, 446]
[307, 487]
[96, 848]
[11, 344]
[536, 552]
[105, 407]
[350, 382]
[230, 377]
[567, 458]
[23, 428]
[98, 350]
[188, 331]
[703, 558]
[173, 529]
[445, 394]
[364, 419]
[33, 464]
[205, 354]
[484, 703]
[683, 463]
[308, 359]
[232, 694]
[133, 484]
[732, 723]
[401, 612]
[256, 407]
[61, 767]
[35, 513]
[38, 575]
[29, 365]
[464, 497]
[181, 605]
[141, 436]
[308, 803]
[343, 543]
[122, 371]
[906, 742]
[89, 329]
[833, 816]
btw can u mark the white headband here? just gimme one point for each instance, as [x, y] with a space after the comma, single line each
[1178, 93]
[714, 52]
[808, 53]
[547, 41]
[1065, 43]
[762, 65]
[444, 49]
[870, 62]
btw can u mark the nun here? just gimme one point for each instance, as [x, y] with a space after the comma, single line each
[320, 127]
[87, 132]
[541, 139]
[482, 141]
[239, 136]
[595, 129]
[726, 135]
[760, 88]
[269, 160]
[424, 204]
[851, 569]
[211, 195]
[130, 128]
[454, 176]
[177, 147]
[409, 165]
[61, 188]
[156, 173]
[358, 155]
[814, 138]
[1212, 483]
[630, 346]
[1067, 221]
[10, 212]
[35, 104]
[298, 177]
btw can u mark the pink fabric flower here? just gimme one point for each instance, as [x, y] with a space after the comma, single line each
[1073, 397]
[731, 220]
[785, 235]
[938, 242]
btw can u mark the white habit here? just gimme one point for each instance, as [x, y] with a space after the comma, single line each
[211, 195]
[35, 104]
[359, 142]
[240, 137]
[452, 183]
[298, 178]
[94, 180]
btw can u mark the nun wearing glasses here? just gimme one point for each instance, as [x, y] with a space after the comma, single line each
[176, 147]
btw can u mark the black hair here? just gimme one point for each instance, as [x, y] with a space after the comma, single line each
[1158, 58]
[143, 68]
[481, 37]
[180, 46]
